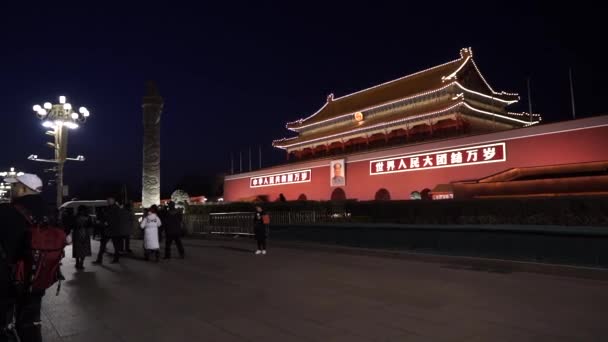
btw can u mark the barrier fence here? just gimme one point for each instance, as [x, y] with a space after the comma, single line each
[241, 223]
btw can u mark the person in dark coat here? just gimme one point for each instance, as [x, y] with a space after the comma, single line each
[127, 222]
[15, 221]
[81, 236]
[68, 219]
[172, 224]
[112, 231]
[161, 212]
[259, 228]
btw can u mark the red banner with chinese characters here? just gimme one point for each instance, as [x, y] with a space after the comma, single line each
[491, 153]
[291, 177]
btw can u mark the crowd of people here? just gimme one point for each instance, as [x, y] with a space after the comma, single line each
[28, 227]
[115, 224]
[20, 303]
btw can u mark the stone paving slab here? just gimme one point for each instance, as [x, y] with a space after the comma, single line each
[222, 292]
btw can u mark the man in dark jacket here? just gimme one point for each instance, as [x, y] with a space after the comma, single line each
[173, 230]
[126, 222]
[27, 206]
[112, 231]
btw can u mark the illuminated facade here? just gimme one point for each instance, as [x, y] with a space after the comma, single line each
[433, 132]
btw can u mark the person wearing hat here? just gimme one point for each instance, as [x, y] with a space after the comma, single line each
[26, 202]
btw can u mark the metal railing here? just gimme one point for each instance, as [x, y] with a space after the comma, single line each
[234, 223]
[241, 223]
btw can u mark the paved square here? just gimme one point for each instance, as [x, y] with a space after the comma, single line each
[222, 292]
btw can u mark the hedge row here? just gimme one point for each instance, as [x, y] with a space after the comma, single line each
[568, 211]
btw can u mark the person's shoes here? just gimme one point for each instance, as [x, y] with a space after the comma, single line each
[167, 257]
[114, 261]
[264, 252]
[258, 252]
[97, 262]
[182, 256]
[130, 251]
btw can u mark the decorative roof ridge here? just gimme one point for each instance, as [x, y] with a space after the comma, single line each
[380, 105]
[381, 124]
[464, 54]
[465, 89]
[399, 79]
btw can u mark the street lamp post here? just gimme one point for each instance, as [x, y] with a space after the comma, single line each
[59, 118]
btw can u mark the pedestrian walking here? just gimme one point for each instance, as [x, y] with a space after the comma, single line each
[81, 236]
[173, 227]
[150, 225]
[260, 224]
[112, 231]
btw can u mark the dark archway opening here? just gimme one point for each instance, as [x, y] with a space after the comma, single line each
[425, 194]
[338, 195]
[382, 195]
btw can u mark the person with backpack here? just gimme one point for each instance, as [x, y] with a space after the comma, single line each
[31, 249]
[150, 225]
[172, 224]
[260, 223]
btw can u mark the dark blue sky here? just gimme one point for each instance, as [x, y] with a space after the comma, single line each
[233, 74]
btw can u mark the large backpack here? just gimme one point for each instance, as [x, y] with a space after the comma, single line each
[39, 269]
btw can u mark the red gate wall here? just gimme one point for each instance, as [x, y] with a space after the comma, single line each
[576, 141]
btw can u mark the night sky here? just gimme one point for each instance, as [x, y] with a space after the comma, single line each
[233, 74]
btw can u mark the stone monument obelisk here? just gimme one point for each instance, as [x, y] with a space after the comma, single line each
[152, 106]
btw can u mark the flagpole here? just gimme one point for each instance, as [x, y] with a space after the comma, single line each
[572, 94]
[231, 163]
[529, 100]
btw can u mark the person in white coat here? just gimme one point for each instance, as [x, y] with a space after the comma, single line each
[150, 224]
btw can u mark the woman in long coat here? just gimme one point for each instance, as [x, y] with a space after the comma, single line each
[81, 236]
[150, 224]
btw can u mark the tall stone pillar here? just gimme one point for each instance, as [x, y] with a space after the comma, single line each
[152, 106]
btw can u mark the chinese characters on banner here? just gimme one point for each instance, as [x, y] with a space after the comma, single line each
[491, 153]
[292, 177]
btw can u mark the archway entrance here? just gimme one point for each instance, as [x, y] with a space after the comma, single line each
[338, 195]
[382, 195]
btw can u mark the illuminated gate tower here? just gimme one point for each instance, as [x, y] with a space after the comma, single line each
[451, 99]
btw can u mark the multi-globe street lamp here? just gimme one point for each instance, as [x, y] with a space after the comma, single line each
[59, 118]
[5, 188]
